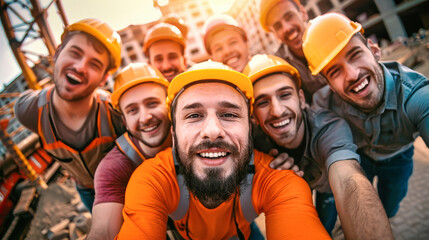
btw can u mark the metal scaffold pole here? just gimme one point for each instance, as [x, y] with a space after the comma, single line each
[19, 158]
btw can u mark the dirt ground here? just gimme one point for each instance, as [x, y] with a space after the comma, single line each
[59, 203]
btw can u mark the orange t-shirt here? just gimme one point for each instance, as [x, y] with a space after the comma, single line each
[153, 193]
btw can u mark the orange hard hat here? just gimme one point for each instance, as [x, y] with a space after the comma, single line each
[162, 31]
[217, 23]
[265, 7]
[177, 21]
[262, 65]
[325, 37]
[132, 75]
[210, 71]
[103, 33]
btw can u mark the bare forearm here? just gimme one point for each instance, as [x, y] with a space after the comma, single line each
[360, 210]
[106, 221]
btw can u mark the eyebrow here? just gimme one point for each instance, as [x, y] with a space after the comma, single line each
[350, 52]
[81, 51]
[224, 104]
[278, 90]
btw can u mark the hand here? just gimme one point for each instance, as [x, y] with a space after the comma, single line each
[283, 161]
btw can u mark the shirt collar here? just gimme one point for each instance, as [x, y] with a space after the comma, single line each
[390, 96]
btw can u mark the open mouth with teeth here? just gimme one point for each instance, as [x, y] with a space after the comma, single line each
[232, 61]
[73, 79]
[281, 123]
[169, 73]
[213, 158]
[149, 128]
[360, 87]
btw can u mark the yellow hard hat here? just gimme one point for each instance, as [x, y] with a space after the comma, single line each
[325, 37]
[265, 7]
[162, 31]
[132, 75]
[103, 33]
[177, 21]
[217, 23]
[262, 64]
[210, 71]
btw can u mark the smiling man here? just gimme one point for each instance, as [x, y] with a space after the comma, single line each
[139, 93]
[386, 104]
[75, 121]
[212, 184]
[287, 20]
[164, 45]
[321, 144]
[226, 41]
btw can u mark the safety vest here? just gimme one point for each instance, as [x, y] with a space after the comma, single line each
[127, 147]
[80, 164]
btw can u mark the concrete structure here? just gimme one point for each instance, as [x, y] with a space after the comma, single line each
[194, 13]
[381, 19]
[132, 43]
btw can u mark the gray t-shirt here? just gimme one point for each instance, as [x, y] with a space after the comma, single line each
[26, 111]
[328, 139]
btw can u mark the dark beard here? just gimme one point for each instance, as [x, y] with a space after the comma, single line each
[214, 189]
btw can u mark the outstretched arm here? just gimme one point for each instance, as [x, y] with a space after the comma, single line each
[360, 210]
[106, 220]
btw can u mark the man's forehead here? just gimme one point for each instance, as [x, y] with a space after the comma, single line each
[274, 82]
[160, 46]
[354, 44]
[281, 8]
[213, 92]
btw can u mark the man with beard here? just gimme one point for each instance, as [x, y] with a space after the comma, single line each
[386, 104]
[164, 45]
[226, 42]
[321, 144]
[203, 183]
[139, 93]
[287, 20]
[75, 121]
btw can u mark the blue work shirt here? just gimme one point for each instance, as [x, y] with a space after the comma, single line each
[328, 139]
[396, 123]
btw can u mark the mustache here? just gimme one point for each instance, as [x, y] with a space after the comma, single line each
[80, 74]
[284, 114]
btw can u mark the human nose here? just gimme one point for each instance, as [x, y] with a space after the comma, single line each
[276, 108]
[80, 65]
[351, 72]
[212, 128]
[145, 115]
[285, 26]
[166, 65]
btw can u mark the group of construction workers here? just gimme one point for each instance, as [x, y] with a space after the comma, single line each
[183, 150]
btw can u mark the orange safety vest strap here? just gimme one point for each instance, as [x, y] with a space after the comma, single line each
[127, 147]
[45, 131]
[183, 206]
[105, 125]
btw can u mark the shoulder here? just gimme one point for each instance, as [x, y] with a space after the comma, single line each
[266, 175]
[26, 100]
[272, 187]
[407, 77]
[26, 109]
[322, 97]
[322, 118]
[158, 169]
[114, 165]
